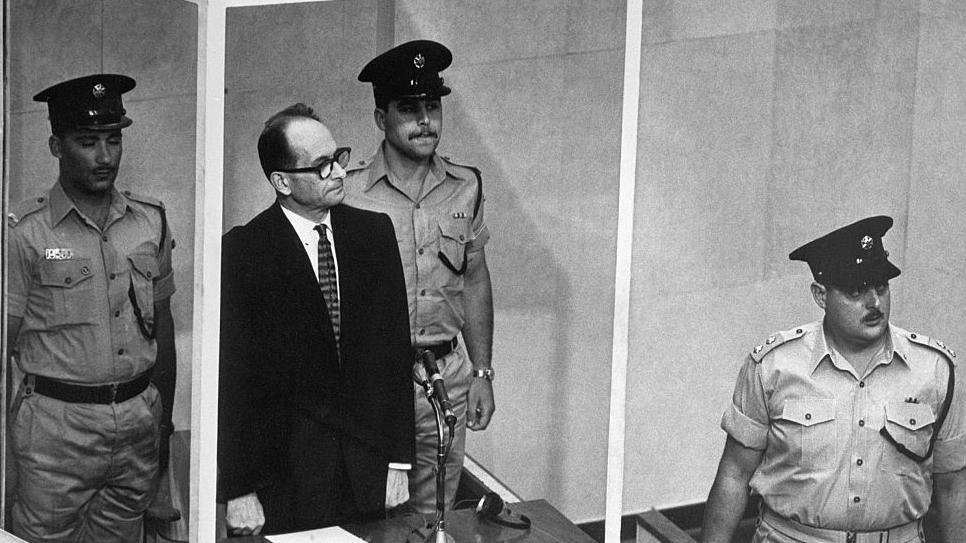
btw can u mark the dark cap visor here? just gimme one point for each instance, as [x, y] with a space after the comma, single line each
[879, 272]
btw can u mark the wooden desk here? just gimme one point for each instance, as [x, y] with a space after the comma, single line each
[549, 525]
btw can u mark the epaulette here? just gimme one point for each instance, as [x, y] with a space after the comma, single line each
[144, 199]
[774, 340]
[25, 208]
[479, 181]
[449, 160]
[359, 165]
[934, 344]
[153, 202]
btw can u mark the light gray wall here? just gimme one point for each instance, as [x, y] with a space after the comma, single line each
[536, 104]
[153, 41]
[764, 125]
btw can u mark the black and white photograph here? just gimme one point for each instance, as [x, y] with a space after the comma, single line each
[474, 271]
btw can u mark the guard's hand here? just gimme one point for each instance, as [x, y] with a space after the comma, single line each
[164, 447]
[397, 488]
[244, 515]
[480, 406]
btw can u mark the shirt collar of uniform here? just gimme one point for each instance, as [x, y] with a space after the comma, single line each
[305, 228]
[899, 344]
[61, 204]
[439, 169]
[822, 351]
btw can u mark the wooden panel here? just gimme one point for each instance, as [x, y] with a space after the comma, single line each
[652, 526]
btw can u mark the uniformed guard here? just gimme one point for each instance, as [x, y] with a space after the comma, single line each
[90, 280]
[850, 429]
[436, 206]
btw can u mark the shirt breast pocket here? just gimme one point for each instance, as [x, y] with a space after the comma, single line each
[67, 295]
[810, 425]
[454, 235]
[144, 270]
[910, 425]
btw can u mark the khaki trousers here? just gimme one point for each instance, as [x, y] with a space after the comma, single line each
[457, 372]
[85, 472]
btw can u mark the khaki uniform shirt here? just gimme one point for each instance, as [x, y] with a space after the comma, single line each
[70, 281]
[825, 463]
[440, 221]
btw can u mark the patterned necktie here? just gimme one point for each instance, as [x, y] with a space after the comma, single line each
[327, 281]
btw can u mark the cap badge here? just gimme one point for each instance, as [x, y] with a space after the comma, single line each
[866, 242]
[99, 91]
[419, 61]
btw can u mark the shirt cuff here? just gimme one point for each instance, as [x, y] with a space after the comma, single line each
[743, 429]
[479, 240]
[164, 286]
[950, 455]
[399, 466]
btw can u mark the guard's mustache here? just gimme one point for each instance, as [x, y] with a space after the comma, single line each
[422, 134]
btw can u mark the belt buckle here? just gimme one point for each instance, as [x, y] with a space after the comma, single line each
[850, 537]
[113, 392]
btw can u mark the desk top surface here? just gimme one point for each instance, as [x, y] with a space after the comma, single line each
[548, 525]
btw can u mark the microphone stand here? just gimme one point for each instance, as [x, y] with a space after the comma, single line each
[439, 535]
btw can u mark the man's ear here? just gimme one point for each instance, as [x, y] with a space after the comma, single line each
[379, 115]
[53, 143]
[819, 292]
[280, 183]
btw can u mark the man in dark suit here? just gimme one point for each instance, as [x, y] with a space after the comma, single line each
[315, 398]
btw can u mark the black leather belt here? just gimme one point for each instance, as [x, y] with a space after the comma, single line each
[100, 394]
[439, 350]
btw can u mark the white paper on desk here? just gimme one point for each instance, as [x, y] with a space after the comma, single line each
[332, 534]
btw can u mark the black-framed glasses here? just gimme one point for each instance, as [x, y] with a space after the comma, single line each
[324, 169]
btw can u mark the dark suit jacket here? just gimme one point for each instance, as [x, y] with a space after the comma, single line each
[278, 353]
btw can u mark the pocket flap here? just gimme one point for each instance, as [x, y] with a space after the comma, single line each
[455, 229]
[911, 416]
[65, 273]
[809, 412]
[145, 264]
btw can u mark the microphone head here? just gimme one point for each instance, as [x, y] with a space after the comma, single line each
[428, 360]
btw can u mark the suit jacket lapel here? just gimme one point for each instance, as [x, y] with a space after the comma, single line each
[348, 249]
[293, 266]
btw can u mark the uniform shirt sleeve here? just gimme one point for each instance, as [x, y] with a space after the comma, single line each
[746, 419]
[950, 452]
[481, 234]
[164, 284]
[18, 274]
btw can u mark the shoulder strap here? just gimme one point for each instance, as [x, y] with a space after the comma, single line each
[479, 191]
[773, 341]
[479, 182]
[157, 204]
[25, 208]
[947, 355]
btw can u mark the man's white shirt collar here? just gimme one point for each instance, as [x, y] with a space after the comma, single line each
[305, 229]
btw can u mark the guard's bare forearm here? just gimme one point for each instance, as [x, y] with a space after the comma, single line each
[478, 326]
[949, 507]
[13, 330]
[729, 493]
[726, 504]
[164, 375]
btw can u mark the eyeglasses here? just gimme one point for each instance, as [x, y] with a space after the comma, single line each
[324, 169]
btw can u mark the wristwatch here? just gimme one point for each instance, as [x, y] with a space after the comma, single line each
[485, 373]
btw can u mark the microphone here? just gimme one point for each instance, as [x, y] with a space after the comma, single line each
[428, 360]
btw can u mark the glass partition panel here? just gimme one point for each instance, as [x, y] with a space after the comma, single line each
[536, 106]
[761, 129]
[153, 42]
